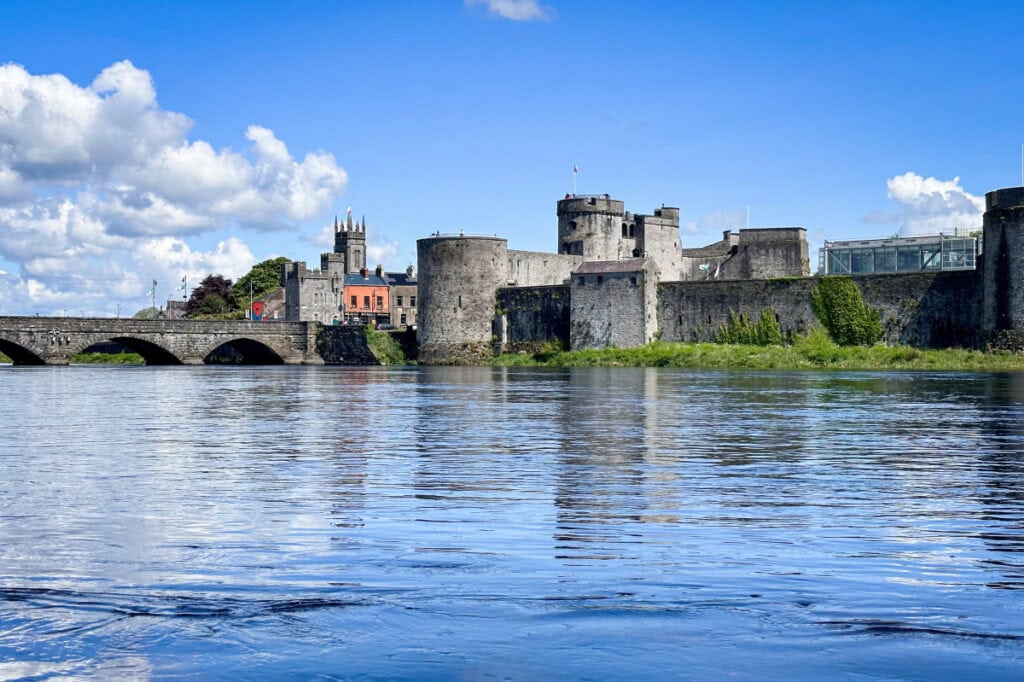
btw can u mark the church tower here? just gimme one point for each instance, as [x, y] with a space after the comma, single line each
[350, 240]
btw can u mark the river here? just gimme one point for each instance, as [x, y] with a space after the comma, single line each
[516, 523]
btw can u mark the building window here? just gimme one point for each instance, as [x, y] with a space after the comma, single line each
[600, 279]
[582, 281]
[412, 301]
[366, 302]
[380, 303]
[402, 320]
[354, 302]
[399, 302]
[632, 280]
[625, 230]
[632, 230]
[572, 225]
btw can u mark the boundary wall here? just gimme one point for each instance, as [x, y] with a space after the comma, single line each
[926, 310]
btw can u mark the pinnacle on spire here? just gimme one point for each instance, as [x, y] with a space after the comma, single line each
[364, 223]
[349, 221]
[335, 222]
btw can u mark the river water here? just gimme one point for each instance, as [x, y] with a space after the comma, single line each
[480, 523]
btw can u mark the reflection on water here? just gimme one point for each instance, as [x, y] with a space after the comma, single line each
[465, 522]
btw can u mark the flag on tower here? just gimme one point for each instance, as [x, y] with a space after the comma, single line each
[349, 210]
[182, 284]
[575, 168]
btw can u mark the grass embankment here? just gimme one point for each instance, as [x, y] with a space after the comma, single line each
[815, 351]
[386, 347]
[108, 359]
[4, 358]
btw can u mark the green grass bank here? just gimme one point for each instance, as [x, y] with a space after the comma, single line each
[813, 352]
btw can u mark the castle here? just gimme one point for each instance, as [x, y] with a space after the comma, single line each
[623, 279]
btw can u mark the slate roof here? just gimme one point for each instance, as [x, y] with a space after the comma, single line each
[371, 280]
[597, 267]
[400, 279]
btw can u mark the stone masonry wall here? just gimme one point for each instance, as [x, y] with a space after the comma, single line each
[535, 268]
[927, 310]
[619, 311]
[536, 315]
[344, 345]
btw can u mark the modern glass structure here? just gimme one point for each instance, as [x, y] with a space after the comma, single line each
[899, 254]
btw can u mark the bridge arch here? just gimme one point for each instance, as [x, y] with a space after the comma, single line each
[152, 353]
[21, 354]
[243, 350]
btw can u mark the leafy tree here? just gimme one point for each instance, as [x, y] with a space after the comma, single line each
[212, 304]
[211, 284]
[265, 277]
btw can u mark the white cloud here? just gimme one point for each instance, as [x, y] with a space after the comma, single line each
[515, 10]
[382, 252]
[100, 182]
[722, 219]
[930, 206]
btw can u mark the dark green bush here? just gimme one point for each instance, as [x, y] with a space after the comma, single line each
[840, 308]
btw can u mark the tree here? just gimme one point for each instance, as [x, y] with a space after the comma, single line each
[265, 277]
[211, 284]
[147, 314]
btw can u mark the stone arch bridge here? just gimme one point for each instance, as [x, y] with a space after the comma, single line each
[56, 340]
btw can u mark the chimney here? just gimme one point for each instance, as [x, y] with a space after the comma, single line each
[380, 271]
[364, 272]
[409, 270]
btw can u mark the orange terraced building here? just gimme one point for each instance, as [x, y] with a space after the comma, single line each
[366, 297]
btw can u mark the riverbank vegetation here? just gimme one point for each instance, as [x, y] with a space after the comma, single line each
[386, 347]
[815, 350]
[108, 359]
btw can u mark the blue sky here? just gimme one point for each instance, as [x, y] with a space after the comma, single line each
[852, 121]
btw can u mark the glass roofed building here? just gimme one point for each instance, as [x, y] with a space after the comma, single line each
[899, 254]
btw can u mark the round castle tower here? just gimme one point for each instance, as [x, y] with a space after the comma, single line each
[457, 280]
[1002, 323]
[591, 226]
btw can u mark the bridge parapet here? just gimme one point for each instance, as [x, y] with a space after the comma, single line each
[56, 340]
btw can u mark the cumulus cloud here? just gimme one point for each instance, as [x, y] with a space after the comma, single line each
[514, 10]
[99, 179]
[382, 251]
[929, 206]
[716, 221]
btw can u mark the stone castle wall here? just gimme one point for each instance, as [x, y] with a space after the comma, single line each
[927, 310]
[535, 316]
[613, 308]
[535, 268]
